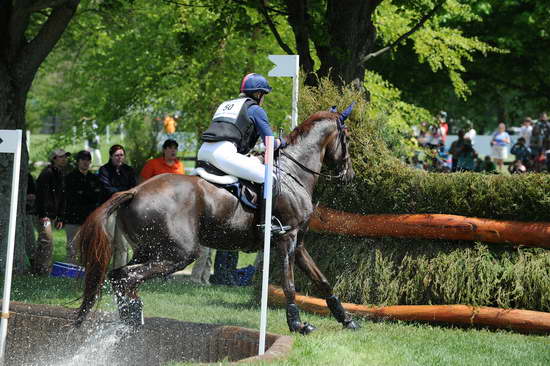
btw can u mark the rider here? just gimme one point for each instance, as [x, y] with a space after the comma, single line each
[235, 129]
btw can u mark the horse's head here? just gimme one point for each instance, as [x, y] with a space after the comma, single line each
[337, 153]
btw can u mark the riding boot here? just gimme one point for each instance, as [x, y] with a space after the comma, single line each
[277, 227]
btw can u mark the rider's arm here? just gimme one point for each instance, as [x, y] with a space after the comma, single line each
[259, 117]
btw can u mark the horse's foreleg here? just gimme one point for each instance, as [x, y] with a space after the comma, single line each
[306, 264]
[287, 249]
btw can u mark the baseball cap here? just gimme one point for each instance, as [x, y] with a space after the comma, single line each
[170, 143]
[83, 155]
[59, 152]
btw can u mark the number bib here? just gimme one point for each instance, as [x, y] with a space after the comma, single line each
[229, 111]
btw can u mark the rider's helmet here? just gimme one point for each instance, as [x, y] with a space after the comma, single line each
[254, 83]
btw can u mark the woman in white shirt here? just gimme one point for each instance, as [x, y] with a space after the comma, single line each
[499, 144]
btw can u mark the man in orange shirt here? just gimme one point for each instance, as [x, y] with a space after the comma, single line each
[167, 163]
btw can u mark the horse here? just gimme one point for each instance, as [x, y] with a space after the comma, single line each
[167, 217]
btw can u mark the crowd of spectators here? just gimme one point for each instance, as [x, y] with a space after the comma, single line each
[531, 150]
[67, 192]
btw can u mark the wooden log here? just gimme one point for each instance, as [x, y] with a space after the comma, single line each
[431, 226]
[524, 321]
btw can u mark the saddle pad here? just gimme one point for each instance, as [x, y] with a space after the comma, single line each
[216, 179]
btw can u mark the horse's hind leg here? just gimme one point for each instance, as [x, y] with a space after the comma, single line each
[125, 281]
[306, 264]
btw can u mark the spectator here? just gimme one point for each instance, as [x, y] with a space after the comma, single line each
[521, 151]
[93, 142]
[83, 196]
[526, 130]
[517, 167]
[456, 148]
[169, 125]
[116, 176]
[442, 123]
[466, 157]
[488, 165]
[470, 132]
[434, 137]
[540, 132]
[31, 220]
[499, 144]
[50, 207]
[167, 163]
[225, 265]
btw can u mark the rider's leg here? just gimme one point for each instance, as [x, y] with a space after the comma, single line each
[224, 156]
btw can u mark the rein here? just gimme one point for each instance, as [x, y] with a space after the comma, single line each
[312, 171]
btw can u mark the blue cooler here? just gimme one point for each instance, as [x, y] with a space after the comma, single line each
[60, 269]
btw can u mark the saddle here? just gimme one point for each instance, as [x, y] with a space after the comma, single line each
[247, 192]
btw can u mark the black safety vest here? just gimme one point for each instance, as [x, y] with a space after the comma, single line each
[232, 123]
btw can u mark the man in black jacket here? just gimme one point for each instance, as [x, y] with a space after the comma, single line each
[83, 196]
[115, 176]
[50, 208]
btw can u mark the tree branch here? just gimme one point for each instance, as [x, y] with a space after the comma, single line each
[35, 52]
[45, 4]
[271, 25]
[405, 35]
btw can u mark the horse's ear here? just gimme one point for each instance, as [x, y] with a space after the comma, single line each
[345, 114]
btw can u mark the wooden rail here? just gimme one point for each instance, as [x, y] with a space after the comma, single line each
[431, 226]
[524, 321]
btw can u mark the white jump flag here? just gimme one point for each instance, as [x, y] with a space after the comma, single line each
[268, 193]
[10, 142]
[288, 65]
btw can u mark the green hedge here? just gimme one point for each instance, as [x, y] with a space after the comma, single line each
[403, 271]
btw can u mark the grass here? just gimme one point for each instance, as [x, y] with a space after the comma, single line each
[376, 343]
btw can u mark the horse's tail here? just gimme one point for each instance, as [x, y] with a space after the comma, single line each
[95, 250]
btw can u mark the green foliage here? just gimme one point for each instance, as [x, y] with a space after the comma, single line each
[439, 43]
[393, 271]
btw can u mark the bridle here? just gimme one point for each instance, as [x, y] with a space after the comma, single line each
[342, 130]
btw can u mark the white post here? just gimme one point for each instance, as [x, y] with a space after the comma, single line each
[10, 142]
[268, 182]
[28, 136]
[288, 65]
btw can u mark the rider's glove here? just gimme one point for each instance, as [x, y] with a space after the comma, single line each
[282, 143]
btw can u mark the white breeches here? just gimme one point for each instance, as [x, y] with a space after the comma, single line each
[224, 156]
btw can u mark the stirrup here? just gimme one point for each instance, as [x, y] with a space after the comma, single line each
[277, 229]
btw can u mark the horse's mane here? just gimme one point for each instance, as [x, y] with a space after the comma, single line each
[308, 124]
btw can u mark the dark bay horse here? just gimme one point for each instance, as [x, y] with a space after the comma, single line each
[167, 217]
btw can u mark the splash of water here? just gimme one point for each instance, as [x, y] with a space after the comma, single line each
[99, 347]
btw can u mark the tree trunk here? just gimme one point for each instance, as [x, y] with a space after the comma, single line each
[12, 116]
[342, 38]
[20, 58]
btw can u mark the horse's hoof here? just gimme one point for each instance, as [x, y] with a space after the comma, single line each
[352, 324]
[307, 328]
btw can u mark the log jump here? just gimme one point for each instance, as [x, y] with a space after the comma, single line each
[523, 321]
[431, 226]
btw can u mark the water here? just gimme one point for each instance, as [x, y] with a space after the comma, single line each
[99, 347]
